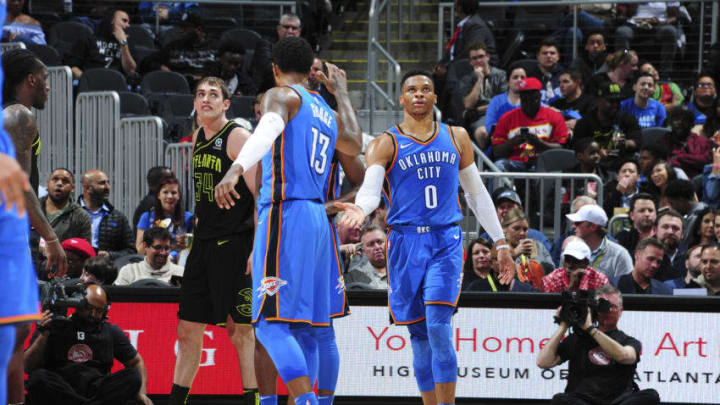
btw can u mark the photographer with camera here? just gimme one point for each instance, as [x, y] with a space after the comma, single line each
[602, 359]
[69, 359]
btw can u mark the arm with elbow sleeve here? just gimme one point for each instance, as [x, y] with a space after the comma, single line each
[479, 201]
[368, 196]
[269, 128]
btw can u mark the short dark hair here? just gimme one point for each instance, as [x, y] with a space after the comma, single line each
[582, 144]
[574, 74]
[370, 228]
[293, 54]
[668, 212]
[156, 232]
[682, 112]
[17, 64]
[72, 176]
[621, 162]
[711, 245]
[469, 7]
[595, 31]
[231, 45]
[697, 79]
[547, 42]
[516, 65]
[415, 73]
[648, 242]
[156, 175]
[476, 46]
[641, 196]
[657, 149]
[642, 74]
[102, 268]
[680, 189]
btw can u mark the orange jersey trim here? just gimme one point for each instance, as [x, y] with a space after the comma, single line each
[20, 318]
[412, 138]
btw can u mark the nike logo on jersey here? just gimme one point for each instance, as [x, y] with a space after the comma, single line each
[405, 145]
[222, 242]
[456, 236]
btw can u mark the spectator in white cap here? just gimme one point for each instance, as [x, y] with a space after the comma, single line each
[606, 256]
[506, 199]
[575, 273]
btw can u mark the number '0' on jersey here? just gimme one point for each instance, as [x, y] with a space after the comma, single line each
[299, 163]
[421, 186]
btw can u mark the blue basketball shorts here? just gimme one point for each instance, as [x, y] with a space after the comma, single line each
[424, 267]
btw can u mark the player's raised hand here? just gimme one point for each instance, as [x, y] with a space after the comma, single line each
[13, 184]
[507, 266]
[353, 215]
[336, 80]
[225, 194]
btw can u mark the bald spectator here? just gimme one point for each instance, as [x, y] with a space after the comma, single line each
[648, 256]
[643, 214]
[156, 265]
[607, 256]
[111, 233]
[575, 273]
[373, 272]
[78, 252]
[710, 268]
[693, 264]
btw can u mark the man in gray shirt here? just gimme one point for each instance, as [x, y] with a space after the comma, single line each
[371, 272]
[607, 256]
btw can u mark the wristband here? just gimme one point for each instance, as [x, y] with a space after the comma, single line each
[123, 42]
[503, 246]
[51, 241]
[590, 330]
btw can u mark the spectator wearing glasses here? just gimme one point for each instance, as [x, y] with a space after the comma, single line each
[289, 26]
[156, 264]
[703, 101]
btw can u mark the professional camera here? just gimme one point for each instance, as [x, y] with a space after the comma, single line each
[56, 299]
[575, 307]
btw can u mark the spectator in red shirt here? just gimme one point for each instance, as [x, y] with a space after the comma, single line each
[575, 273]
[524, 132]
[688, 150]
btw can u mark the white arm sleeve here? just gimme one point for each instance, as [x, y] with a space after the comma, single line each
[368, 196]
[259, 143]
[479, 201]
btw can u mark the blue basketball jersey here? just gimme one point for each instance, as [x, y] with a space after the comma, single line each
[12, 227]
[421, 185]
[298, 166]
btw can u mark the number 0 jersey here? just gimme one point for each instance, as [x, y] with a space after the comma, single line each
[210, 163]
[421, 183]
[299, 163]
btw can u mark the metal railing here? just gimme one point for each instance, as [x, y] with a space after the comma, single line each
[535, 191]
[55, 124]
[442, 28]
[178, 157]
[7, 46]
[392, 92]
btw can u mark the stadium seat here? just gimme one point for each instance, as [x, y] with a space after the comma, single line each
[164, 82]
[556, 160]
[512, 50]
[249, 38]
[133, 105]
[176, 110]
[241, 107]
[652, 135]
[127, 259]
[63, 35]
[139, 36]
[150, 282]
[100, 79]
[47, 54]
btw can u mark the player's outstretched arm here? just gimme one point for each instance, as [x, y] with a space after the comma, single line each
[280, 104]
[378, 155]
[13, 184]
[481, 204]
[349, 132]
[355, 173]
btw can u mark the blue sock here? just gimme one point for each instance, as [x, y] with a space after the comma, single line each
[307, 398]
[329, 359]
[328, 400]
[422, 356]
[268, 400]
[444, 359]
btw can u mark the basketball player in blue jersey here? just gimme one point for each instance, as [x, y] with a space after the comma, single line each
[19, 301]
[291, 255]
[418, 165]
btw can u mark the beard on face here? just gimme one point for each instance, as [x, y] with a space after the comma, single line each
[60, 200]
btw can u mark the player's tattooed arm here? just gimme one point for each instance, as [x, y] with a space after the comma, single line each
[22, 127]
[349, 131]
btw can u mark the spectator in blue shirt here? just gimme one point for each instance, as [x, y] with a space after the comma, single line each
[649, 113]
[703, 98]
[504, 102]
[167, 213]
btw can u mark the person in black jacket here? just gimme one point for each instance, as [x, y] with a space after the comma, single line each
[111, 233]
[155, 176]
